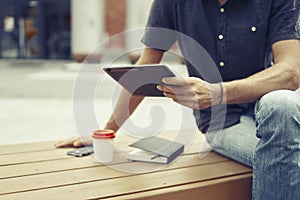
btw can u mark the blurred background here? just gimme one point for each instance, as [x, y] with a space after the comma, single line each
[42, 46]
[64, 29]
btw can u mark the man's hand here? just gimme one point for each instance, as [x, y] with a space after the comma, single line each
[74, 142]
[191, 92]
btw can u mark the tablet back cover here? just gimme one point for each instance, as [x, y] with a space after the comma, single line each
[140, 80]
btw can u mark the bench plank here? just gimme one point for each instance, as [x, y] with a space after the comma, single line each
[231, 188]
[134, 183]
[94, 171]
[39, 170]
[71, 163]
[27, 147]
[49, 145]
[52, 153]
[28, 157]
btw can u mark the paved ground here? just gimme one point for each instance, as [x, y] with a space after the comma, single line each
[36, 101]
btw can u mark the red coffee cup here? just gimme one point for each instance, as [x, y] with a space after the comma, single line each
[104, 134]
[103, 145]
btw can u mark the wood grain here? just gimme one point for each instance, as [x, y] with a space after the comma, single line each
[40, 171]
[100, 188]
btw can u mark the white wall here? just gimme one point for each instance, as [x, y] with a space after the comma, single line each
[137, 15]
[87, 25]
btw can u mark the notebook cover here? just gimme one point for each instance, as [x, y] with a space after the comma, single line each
[160, 146]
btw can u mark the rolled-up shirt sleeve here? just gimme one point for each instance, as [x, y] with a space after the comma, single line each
[284, 20]
[159, 32]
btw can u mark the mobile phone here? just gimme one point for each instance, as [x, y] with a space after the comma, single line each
[82, 151]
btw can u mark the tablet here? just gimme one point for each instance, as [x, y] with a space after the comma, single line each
[140, 80]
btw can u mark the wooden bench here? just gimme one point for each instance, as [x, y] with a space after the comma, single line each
[39, 171]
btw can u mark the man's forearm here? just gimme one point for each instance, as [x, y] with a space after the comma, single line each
[128, 103]
[124, 108]
[252, 88]
[284, 74]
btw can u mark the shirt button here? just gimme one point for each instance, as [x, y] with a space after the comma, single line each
[221, 37]
[253, 28]
[222, 10]
[222, 64]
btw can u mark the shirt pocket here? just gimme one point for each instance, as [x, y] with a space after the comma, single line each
[255, 32]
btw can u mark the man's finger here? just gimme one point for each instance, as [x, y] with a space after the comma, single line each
[74, 142]
[180, 98]
[66, 143]
[170, 95]
[85, 142]
[186, 103]
[175, 81]
[185, 90]
[78, 143]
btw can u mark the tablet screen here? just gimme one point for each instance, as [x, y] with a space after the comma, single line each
[140, 79]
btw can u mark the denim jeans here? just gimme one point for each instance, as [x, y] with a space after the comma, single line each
[268, 140]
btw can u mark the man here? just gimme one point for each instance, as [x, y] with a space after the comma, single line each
[255, 45]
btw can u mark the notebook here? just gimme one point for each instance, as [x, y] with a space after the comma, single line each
[155, 150]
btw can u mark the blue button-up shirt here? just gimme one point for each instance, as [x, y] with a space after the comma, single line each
[237, 36]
